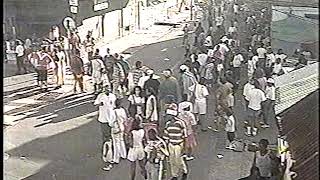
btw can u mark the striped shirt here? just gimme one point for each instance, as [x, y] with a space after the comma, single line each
[175, 132]
[136, 74]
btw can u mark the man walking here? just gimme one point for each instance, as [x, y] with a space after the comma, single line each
[77, 71]
[97, 68]
[107, 117]
[174, 135]
[255, 97]
[20, 58]
[169, 88]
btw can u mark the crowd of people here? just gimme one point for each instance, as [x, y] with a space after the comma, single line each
[158, 129]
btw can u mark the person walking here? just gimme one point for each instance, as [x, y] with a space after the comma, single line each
[187, 80]
[42, 67]
[134, 75]
[255, 97]
[106, 102]
[117, 133]
[137, 102]
[97, 68]
[263, 159]
[236, 63]
[174, 135]
[199, 29]
[136, 151]
[77, 70]
[157, 151]
[151, 107]
[185, 35]
[200, 93]
[169, 88]
[190, 122]
[268, 112]
[62, 63]
[118, 77]
[152, 82]
[20, 58]
[230, 129]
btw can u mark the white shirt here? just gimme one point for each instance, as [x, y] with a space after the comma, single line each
[255, 98]
[231, 124]
[208, 41]
[121, 117]
[185, 104]
[251, 66]
[210, 52]
[237, 60]
[97, 65]
[61, 56]
[106, 112]
[202, 59]
[137, 100]
[271, 58]
[271, 93]
[277, 68]
[255, 59]
[219, 20]
[235, 8]
[246, 90]
[142, 80]
[261, 52]
[20, 50]
[232, 29]
[281, 56]
[200, 93]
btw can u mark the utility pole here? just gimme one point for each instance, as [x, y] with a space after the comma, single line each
[138, 14]
[191, 6]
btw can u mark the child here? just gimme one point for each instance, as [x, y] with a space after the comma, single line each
[136, 150]
[230, 128]
[117, 133]
[156, 150]
[189, 119]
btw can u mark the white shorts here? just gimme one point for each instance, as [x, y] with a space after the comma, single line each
[200, 107]
[97, 80]
[136, 154]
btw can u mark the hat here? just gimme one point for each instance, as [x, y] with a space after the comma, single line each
[183, 106]
[172, 110]
[270, 80]
[184, 68]
[224, 39]
[150, 71]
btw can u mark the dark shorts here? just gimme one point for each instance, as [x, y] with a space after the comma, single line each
[42, 75]
[254, 113]
[231, 136]
[106, 132]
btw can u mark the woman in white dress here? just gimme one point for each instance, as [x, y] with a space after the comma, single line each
[119, 148]
[136, 150]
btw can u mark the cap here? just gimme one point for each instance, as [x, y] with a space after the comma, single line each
[172, 110]
[183, 106]
[184, 68]
[150, 71]
[270, 80]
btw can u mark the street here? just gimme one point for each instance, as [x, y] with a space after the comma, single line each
[63, 139]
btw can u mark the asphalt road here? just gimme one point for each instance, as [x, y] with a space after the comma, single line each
[76, 153]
